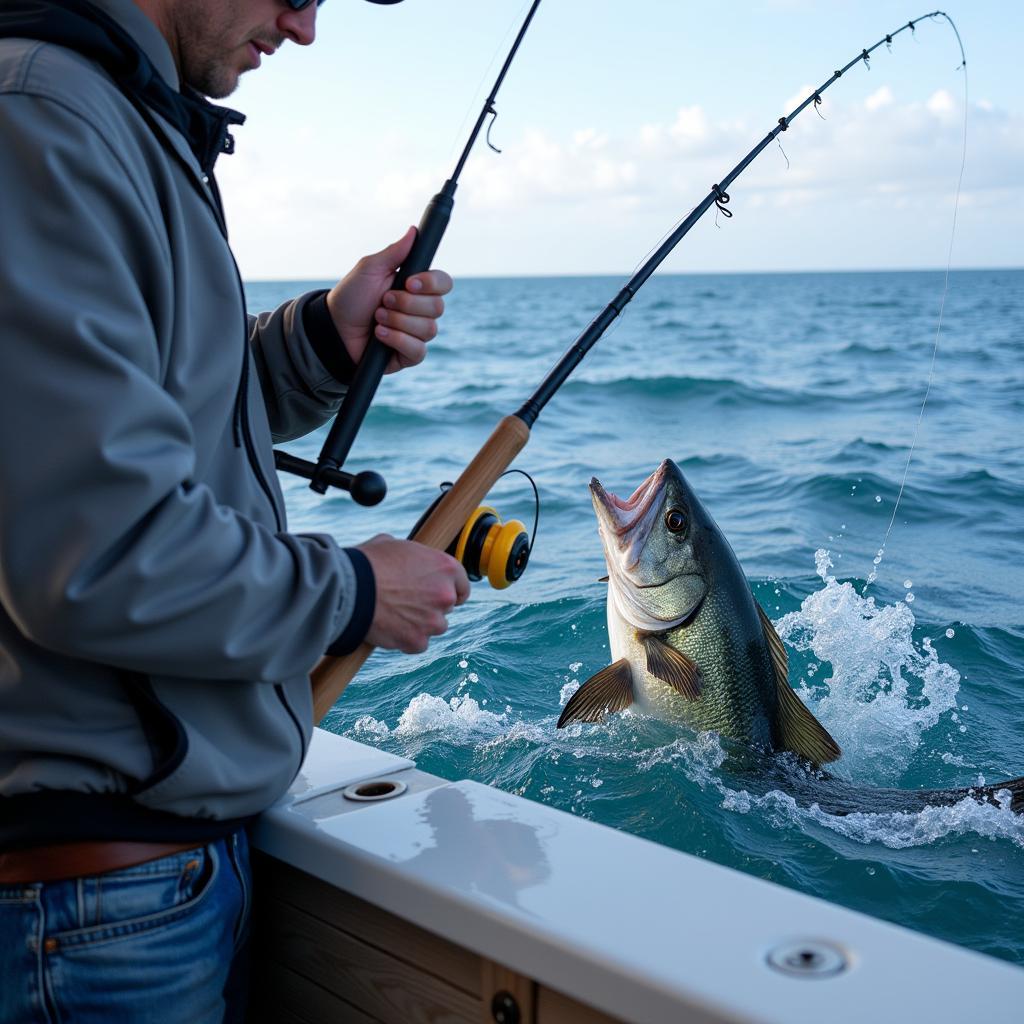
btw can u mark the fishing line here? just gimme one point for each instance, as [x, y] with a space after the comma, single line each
[873, 575]
[474, 103]
[536, 500]
[783, 152]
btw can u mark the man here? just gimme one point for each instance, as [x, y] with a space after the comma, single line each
[157, 620]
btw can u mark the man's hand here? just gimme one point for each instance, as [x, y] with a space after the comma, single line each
[405, 320]
[416, 589]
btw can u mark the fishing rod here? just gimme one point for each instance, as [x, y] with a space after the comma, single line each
[368, 487]
[447, 517]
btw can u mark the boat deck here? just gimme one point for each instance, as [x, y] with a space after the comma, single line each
[455, 901]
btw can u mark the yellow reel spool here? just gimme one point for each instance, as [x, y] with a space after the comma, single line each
[488, 547]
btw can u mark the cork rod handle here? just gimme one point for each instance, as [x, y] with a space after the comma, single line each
[332, 675]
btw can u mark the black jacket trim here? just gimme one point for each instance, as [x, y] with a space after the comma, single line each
[323, 336]
[167, 739]
[61, 816]
[83, 27]
[366, 603]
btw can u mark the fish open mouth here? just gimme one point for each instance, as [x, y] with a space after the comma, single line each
[625, 525]
[624, 516]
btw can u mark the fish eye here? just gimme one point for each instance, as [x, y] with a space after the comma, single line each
[675, 521]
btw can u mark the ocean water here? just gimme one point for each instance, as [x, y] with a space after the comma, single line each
[790, 402]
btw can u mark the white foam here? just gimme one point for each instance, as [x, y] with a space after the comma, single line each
[884, 691]
[898, 831]
[567, 691]
[370, 728]
[700, 756]
[460, 719]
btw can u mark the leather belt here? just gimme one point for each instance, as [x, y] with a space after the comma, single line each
[76, 860]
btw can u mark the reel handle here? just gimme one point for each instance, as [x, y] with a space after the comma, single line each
[375, 359]
[442, 526]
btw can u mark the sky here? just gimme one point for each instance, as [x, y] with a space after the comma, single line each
[615, 120]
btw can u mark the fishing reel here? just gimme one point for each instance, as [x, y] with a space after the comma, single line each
[488, 548]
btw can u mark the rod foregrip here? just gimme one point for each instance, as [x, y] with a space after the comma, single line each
[429, 233]
[442, 526]
[375, 358]
[460, 501]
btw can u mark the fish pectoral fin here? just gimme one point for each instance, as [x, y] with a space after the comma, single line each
[611, 689]
[796, 728]
[673, 667]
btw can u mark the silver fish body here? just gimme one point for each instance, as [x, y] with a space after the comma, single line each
[673, 575]
[690, 644]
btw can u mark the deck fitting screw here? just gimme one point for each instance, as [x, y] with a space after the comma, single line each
[809, 959]
[504, 1008]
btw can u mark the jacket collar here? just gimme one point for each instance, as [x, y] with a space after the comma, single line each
[145, 34]
[122, 39]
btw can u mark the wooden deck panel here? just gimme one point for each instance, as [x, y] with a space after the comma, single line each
[323, 956]
[371, 925]
[382, 985]
[555, 1008]
[281, 996]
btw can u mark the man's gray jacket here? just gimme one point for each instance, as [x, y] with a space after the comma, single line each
[157, 621]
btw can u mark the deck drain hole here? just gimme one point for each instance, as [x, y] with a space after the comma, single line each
[374, 789]
[808, 959]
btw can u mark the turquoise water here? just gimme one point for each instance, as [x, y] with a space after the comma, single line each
[790, 402]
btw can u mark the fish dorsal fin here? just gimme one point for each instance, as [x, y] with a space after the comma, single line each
[673, 667]
[611, 689]
[796, 728]
[780, 660]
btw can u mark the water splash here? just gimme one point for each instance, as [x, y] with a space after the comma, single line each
[897, 831]
[460, 719]
[885, 690]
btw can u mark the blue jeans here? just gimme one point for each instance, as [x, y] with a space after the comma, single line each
[161, 942]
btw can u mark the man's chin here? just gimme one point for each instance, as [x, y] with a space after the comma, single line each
[215, 83]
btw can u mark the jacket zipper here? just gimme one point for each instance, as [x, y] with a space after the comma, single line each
[242, 434]
[244, 437]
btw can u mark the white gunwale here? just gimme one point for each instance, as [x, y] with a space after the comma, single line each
[637, 930]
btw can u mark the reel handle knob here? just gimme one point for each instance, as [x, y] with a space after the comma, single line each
[368, 488]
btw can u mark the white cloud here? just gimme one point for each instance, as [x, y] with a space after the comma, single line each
[876, 145]
[877, 173]
[942, 103]
[879, 98]
[690, 126]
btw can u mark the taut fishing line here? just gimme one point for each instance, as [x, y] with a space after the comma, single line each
[873, 575]
[448, 516]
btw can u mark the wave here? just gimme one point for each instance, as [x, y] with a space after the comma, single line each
[898, 830]
[862, 348]
[718, 391]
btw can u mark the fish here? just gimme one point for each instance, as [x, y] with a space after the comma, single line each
[691, 645]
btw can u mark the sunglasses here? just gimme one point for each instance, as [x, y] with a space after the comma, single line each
[301, 5]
